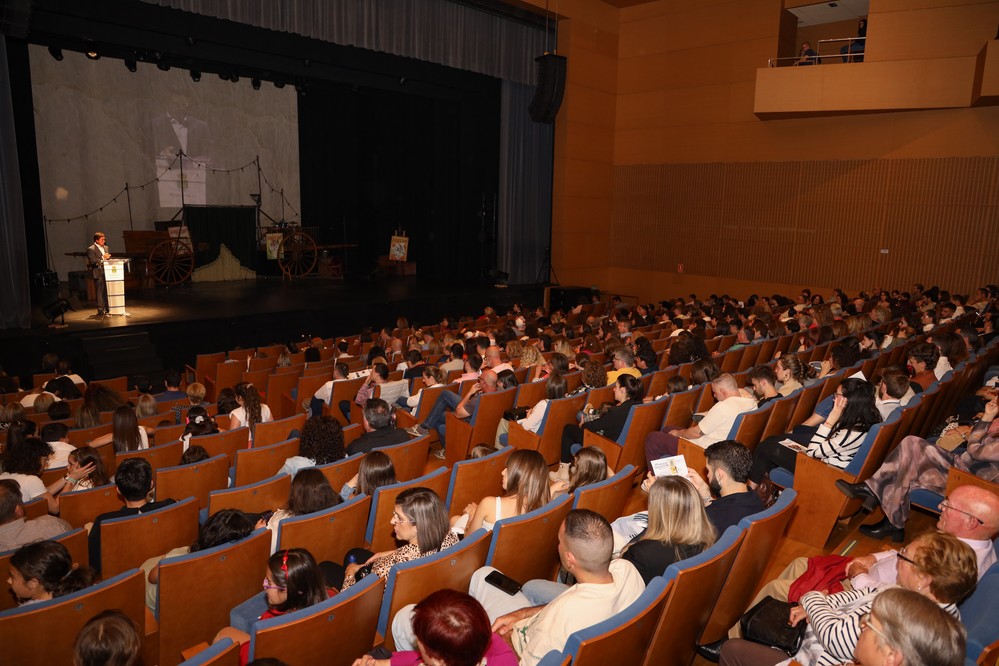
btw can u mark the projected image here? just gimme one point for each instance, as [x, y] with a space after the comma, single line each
[183, 145]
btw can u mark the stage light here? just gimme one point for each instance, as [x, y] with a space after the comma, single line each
[191, 41]
[131, 64]
[93, 55]
[302, 88]
[255, 82]
[234, 77]
[163, 67]
[195, 75]
[279, 84]
[56, 53]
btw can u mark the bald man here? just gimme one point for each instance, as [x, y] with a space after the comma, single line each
[494, 360]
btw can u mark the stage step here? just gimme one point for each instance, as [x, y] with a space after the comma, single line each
[120, 354]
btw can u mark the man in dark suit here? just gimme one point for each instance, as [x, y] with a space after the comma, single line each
[378, 429]
[96, 254]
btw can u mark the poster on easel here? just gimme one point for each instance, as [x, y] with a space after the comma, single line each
[399, 248]
[274, 245]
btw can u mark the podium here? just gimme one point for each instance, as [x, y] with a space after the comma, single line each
[114, 279]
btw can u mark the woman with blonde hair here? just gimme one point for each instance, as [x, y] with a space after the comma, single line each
[562, 346]
[531, 358]
[525, 480]
[514, 349]
[678, 528]
[145, 406]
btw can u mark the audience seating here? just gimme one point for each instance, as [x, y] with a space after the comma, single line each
[158, 457]
[408, 458]
[225, 442]
[334, 632]
[119, 384]
[780, 415]
[535, 533]
[168, 434]
[44, 633]
[629, 448]
[272, 432]
[463, 435]
[979, 612]
[129, 541]
[197, 591]
[609, 497]
[196, 480]
[379, 533]
[410, 582]
[548, 439]
[307, 387]
[84, 436]
[428, 396]
[82, 506]
[263, 462]
[225, 375]
[342, 471]
[530, 394]
[36, 508]
[328, 534]
[204, 365]
[74, 540]
[807, 399]
[257, 497]
[223, 653]
[278, 384]
[681, 406]
[342, 390]
[471, 480]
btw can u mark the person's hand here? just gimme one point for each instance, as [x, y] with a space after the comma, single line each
[827, 367]
[699, 484]
[82, 472]
[559, 486]
[797, 615]
[470, 509]
[352, 569]
[650, 478]
[860, 565]
[260, 524]
[504, 623]
[368, 660]
[991, 410]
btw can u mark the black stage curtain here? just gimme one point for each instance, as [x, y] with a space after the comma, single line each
[424, 159]
[211, 226]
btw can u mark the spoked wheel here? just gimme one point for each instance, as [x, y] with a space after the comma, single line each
[171, 262]
[297, 255]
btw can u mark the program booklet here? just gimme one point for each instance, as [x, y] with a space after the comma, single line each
[671, 466]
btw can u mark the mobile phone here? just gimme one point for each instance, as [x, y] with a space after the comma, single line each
[266, 516]
[503, 582]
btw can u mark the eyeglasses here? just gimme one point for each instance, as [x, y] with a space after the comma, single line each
[397, 520]
[902, 556]
[268, 586]
[865, 623]
[945, 504]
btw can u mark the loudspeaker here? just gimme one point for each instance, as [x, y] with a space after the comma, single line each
[551, 86]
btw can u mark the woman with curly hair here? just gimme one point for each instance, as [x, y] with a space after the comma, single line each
[321, 443]
[250, 411]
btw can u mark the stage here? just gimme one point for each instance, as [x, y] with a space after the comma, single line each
[177, 323]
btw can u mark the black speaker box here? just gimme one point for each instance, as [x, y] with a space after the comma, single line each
[551, 87]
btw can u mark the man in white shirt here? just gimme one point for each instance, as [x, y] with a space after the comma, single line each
[494, 360]
[56, 435]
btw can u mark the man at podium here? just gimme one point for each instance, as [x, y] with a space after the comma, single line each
[96, 254]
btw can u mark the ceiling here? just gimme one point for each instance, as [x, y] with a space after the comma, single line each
[830, 12]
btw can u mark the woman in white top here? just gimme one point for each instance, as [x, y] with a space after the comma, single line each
[126, 433]
[432, 376]
[525, 480]
[23, 461]
[310, 492]
[556, 388]
[250, 411]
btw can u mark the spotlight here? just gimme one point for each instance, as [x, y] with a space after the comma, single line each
[163, 67]
[191, 41]
[234, 77]
[224, 76]
[255, 82]
[279, 84]
[93, 55]
[195, 75]
[131, 64]
[56, 53]
[402, 80]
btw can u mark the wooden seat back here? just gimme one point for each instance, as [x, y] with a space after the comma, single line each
[226, 375]
[197, 591]
[749, 426]
[780, 415]
[548, 440]
[307, 387]
[342, 390]
[223, 652]
[279, 384]
[379, 533]
[204, 366]
[265, 495]
[608, 497]
[129, 541]
[332, 632]
[75, 542]
[530, 394]
[84, 436]
[158, 457]
[681, 407]
[261, 463]
[808, 398]
[342, 471]
[328, 534]
[471, 480]
[224, 442]
[462, 436]
[272, 432]
[82, 506]
[195, 480]
[408, 458]
[535, 533]
[410, 582]
[119, 384]
[44, 633]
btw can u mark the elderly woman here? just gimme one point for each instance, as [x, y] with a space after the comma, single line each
[905, 628]
[936, 565]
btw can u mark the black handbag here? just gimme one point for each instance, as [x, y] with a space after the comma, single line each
[766, 623]
[515, 414]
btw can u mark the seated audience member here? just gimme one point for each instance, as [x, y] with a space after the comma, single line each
[714, 427]
[310, 493]
[376, 470]
[905, 628]
[43, 402]
[936, 565]
[379, 428]
[763, 380]
[916, 463]
[44, 570]
[624, 364]
[844, 355]
[222, 527]
[292, 581]
[82, 459]
[414, 364]
[806, 56]
[532, 359]
[196, 398]
[419, 520]
[792, 374]
[146, 405]
[324, 394]
[555, 389]
[134, 481]
[64, 369]
[525, 480]
[60, 411]
[835, 442]
[15, 529]
[923, 359]
[456, 361]
[22, 462]
[628, 392]
[172, 392]
[588, 466]
[450, 627]
[320, 443]
[463, 407]
[430, 377]
[250, 411]
[226, 401]
[678, 528]
[126, 433]
[12, 412]
[194, 454]
[727, 497]
[109, 638]
[56, 435]
[893, 392]
[376, 377]
[199, 424]
[603, 587]
[472, 367]
[594, 375]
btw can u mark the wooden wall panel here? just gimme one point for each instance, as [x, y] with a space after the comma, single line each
[812, 223]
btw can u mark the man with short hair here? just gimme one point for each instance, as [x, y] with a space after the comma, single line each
[624, 364]
[15, 530]
[379, 429]
[456, 362]
[314, 406]
[56, 435]
[172, 392]
[414, 364]
[893, 392]
[714, 427]
[604, 587]
[463, 407]
[134, 480]
[726, 496]
[97, 254]
[763, 380]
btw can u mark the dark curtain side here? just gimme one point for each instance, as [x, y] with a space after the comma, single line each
[211, 226]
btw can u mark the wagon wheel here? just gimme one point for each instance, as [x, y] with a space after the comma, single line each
[297, 255]
[171, 261]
